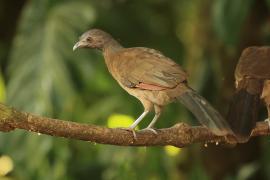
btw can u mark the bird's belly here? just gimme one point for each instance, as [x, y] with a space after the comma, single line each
[161, 97]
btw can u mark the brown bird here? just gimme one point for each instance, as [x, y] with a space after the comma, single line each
[252, 80]
[153, 78]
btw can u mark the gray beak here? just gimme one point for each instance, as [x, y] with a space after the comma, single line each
[78, 44]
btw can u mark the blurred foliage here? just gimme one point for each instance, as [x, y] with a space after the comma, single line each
[2, 89]
[41, 50]
[228, 19]
[41, 74]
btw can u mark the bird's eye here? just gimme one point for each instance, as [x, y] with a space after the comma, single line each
[89, 39]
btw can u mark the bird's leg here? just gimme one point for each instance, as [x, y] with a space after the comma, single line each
[147, 108]
[152, 123]
[266, 97]
[268, 119]
[136, 122]
[268, 110]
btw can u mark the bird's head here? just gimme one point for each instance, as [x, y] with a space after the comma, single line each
[94, 38]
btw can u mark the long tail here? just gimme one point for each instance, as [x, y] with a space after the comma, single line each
[205, 113]
[243, 114]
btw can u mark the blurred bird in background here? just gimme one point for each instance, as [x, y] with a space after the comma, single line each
[252, 81]
[153, 78]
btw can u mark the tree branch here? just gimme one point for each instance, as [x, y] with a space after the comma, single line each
[179, 135]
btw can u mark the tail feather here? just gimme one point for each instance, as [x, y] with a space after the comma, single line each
[205, 113]
[243, 114]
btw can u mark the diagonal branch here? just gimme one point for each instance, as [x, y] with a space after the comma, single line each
[179, 135]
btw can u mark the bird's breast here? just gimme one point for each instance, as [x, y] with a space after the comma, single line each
[111, 63]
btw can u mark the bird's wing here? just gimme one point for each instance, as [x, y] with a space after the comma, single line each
[148, 69]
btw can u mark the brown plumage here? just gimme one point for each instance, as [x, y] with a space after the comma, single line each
[252, 76]
[153, 78]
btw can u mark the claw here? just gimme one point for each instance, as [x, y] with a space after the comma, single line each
[130, 130]
[150, 129]
[268, 121]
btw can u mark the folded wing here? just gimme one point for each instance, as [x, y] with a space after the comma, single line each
[148, 69]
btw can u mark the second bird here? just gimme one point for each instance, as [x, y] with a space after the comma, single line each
[252, 77]
[153, 78]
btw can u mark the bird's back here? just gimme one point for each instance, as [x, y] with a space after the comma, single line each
[145, 65]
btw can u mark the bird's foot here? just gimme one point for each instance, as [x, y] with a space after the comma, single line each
[130, 129]
[150, 129]
[268, 121]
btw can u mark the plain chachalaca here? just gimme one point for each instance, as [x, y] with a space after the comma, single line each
[153, 78]
[252, 81]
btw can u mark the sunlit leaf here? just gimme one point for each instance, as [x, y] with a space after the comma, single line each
[119, 120]
[172, 151]
[248, 170]
[6, 165]
[2, 89]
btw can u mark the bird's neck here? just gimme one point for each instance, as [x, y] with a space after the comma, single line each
[109, 49]
[111, 46]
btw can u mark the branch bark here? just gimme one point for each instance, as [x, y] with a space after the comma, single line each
[179, 135]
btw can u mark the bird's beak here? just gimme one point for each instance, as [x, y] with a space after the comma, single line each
[79, 44]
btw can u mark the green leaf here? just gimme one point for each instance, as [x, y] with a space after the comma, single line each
[39, 78]
[229, 17]
[268, 3]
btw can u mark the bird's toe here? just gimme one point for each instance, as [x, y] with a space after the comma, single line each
[150, 129]
[268, 121]
[129, 129]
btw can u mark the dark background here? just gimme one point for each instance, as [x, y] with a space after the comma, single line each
[41, 74]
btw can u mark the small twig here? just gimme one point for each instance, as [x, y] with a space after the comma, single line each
[179, 135]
